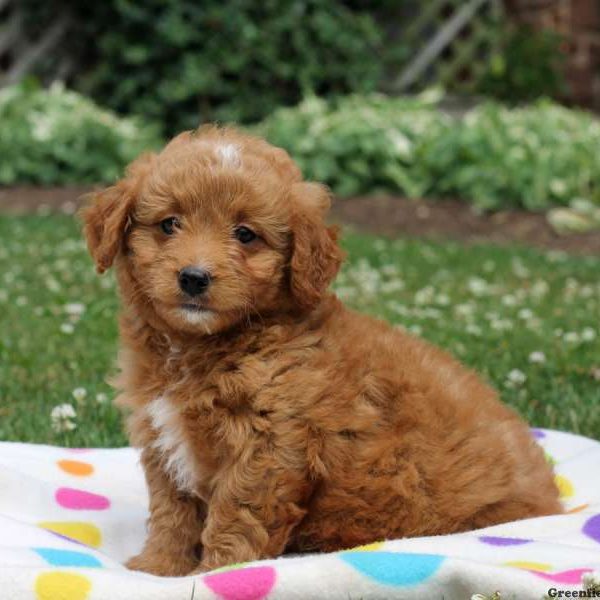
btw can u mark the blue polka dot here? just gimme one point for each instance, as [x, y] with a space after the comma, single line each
[67, 558]
[394, 568]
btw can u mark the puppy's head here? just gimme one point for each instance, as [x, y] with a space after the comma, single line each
[216, 228]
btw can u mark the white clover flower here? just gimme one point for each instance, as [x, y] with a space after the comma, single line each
[519, 269]
[571, 337]
[74, 308]
[537, 358]
[52, 284]
[478, 286]
[473, 329]
[79, 394]
[67, 328]
[390, 270]
[62, 417]
[415, 329]
[464, 309]
[509, 300]
[588, 334]
[525, 314]
[395, 285]
[424, 296]
[515, 378]
[442, 299]
[101, 398]
[539, 288]
[501, 324]
[398, 308]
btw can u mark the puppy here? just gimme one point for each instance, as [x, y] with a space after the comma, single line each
[272, 418]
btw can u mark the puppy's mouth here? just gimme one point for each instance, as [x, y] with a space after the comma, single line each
[194, 307]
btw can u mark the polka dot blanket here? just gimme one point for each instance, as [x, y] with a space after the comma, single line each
[69, 518]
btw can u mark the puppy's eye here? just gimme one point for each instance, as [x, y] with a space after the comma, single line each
[169, 225]
[244, 234]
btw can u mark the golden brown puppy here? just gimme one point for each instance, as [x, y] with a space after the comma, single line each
[271, 417]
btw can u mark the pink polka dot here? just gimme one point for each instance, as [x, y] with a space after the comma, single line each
[80, 500]
[573, 576]
[251, 583]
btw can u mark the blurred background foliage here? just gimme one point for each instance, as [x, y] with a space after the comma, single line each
[181, 62]
[185, 62]
[326, 79]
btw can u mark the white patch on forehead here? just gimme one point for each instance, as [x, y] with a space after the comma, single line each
[172, 444]
[229, 155]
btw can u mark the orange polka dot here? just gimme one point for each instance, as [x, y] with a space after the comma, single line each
[76, 467]
[61, 585]
[577, 509]
[86, 533]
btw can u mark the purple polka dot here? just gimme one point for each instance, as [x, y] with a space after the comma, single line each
[502, 541]
[591, 528]
[80, 500]
[65, 537]
[538, 434]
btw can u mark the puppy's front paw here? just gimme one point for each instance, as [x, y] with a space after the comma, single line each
[160, 565]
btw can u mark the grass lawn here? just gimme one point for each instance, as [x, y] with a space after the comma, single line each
[527, 320]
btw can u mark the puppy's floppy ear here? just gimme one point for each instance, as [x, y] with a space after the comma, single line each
[316, 257]
[108, 215]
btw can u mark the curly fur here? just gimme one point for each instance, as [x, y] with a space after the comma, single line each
[274, 418]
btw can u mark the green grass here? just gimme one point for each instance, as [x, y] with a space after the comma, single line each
[490, 306]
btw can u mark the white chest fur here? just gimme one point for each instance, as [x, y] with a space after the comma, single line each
[172, 442]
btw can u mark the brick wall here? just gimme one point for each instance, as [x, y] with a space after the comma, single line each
[578, 21]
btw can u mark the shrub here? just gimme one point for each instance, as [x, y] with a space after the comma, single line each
[361, 144]
[529, 65]
[56, 136]
[182, 62]
[496, 157]
[531, 157]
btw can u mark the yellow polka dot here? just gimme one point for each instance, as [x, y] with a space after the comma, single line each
[76, 467]
[529, 565]
[86, 533]
[60, 585]
[565, 487]
[367, 547]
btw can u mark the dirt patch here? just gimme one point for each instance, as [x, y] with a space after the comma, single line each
[456, 220]
[32, 199]
[391, 216]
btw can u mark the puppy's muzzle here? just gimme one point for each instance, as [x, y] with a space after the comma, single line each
[194, 281]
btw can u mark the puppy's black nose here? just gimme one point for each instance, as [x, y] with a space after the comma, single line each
[193, 281]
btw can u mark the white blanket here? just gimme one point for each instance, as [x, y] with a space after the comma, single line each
[69, 518]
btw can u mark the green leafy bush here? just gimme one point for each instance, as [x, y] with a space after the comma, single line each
[57, 136]
[528, 65]
[496, 157]
[183, 62]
